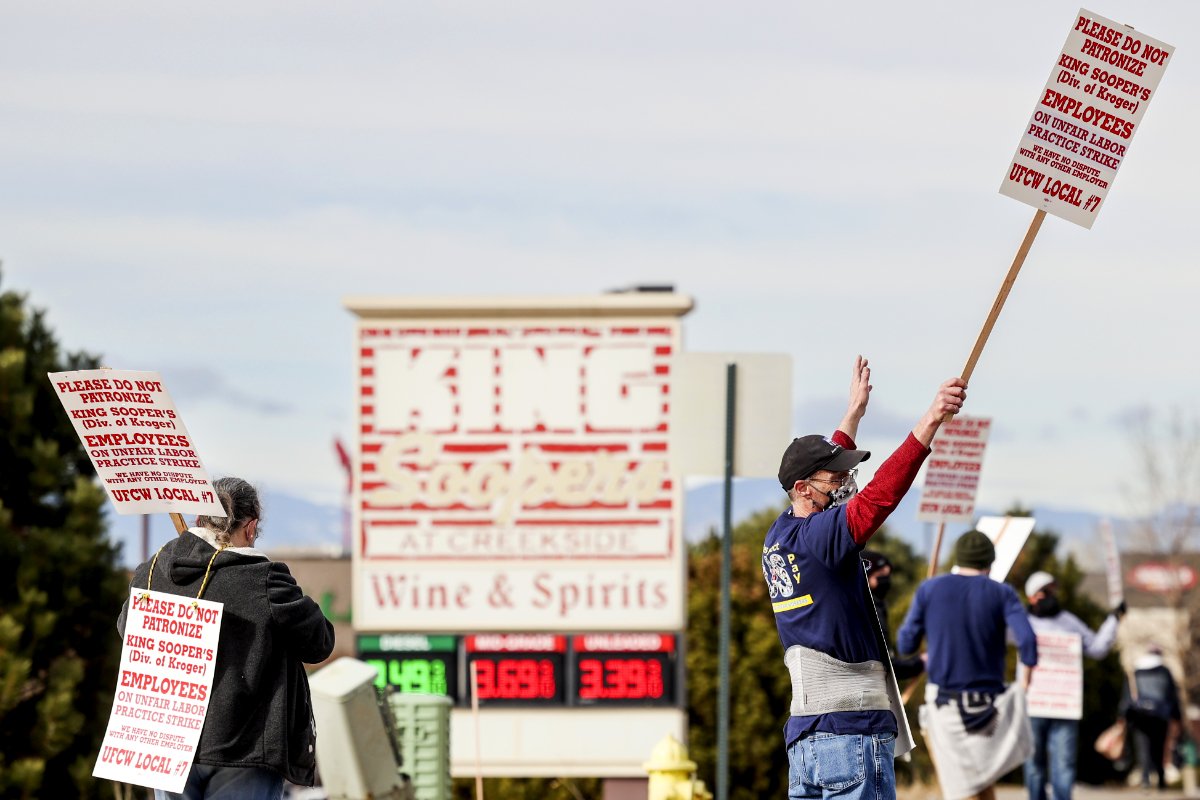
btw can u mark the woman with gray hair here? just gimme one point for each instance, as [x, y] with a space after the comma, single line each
[259, 729]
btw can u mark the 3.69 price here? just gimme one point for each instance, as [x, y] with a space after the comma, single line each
[624, 678]
[516, 679]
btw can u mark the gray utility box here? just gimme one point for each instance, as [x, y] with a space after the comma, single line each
[355, 755]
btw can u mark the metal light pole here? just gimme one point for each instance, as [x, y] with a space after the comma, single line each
[726, 559]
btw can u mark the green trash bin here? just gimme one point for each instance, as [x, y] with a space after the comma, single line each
[1188, 753]
[422, 737]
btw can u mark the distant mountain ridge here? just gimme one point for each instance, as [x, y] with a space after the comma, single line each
[703, 512]
[292, 522]
[289, 522]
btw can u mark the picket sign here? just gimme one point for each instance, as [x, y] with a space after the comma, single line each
[1086, 115]
[1056, 686]
[147, 462]
[1079, 133]
[163, 690]
[1112, 565]
[952, 476]
[137, 442]
[953, 469]
[1008, 535]
[1094, 100]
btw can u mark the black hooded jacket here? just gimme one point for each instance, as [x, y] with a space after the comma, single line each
[260, 714]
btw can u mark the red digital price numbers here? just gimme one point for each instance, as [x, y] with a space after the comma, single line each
[517, 668]
[632, 669]
[621, 677]
[516, 678]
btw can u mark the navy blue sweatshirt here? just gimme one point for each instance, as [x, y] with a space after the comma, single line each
[964, 619]
[818, 589]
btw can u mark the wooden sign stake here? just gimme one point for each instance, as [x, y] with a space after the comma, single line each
[1001, 296]
[937, 549]
[1034, 226]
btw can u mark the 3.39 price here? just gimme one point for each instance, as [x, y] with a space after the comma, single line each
[516, 679]
[620, 679]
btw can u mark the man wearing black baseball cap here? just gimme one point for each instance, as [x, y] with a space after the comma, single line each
[845, 710]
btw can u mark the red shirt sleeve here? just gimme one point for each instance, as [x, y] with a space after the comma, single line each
[867, 510]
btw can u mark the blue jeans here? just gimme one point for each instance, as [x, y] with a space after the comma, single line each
[228, 783]
[848, 766]
[1054, 746]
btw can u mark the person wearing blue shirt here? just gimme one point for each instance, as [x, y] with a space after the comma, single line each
[841, 735]
[977, 728]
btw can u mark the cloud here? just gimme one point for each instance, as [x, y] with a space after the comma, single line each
[1129, 418]
[189, 183]
[199, 384]
[822, 415]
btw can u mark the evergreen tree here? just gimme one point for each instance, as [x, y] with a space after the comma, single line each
[760, 690]
[60, 587]
[532, 788]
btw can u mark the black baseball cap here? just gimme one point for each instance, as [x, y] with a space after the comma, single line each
[874, 560]
[806, 455]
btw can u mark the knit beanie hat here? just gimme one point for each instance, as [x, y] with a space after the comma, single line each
[975, 550]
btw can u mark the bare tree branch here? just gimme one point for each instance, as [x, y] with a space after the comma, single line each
[1167, 455]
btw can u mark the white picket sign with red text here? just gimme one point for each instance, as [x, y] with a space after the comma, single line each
[1086, 115]
[163, 690]
[137, 441]
[952, 471]
[1056, 686]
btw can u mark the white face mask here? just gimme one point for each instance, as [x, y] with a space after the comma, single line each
[842, 494]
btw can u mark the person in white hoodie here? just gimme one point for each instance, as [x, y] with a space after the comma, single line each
[1055, 741]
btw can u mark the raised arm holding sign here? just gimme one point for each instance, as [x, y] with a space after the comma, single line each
[845, 699]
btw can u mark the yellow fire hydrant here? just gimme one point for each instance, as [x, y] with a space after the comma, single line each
[672, 774]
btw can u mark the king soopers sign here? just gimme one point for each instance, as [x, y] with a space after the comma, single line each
[517, 475]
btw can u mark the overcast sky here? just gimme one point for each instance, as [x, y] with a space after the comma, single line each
[194, 190]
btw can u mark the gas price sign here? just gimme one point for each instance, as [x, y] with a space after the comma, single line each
[624, 669]
[413, 663]
[517, 669]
